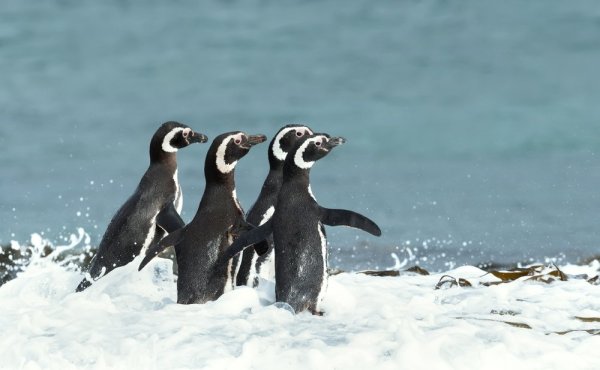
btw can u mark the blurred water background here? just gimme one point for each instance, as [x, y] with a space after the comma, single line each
[473, 126]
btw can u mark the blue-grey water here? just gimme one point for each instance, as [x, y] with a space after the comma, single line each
[473, 126]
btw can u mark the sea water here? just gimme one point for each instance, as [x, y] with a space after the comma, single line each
[473, 126]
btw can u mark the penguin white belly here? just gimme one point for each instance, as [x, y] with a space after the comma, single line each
[254, 271]
[266, 269]
[231, 269]
[236, 201]
[323, 288]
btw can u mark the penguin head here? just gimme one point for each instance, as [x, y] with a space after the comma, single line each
[230, 147]
[313, 148]
[172, 136]
[285, 140]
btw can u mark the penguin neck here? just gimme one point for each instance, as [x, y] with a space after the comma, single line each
[275, 176]
[292, 171]
[297, 175]
[274, 162]
[214, 177]
[157, 154]
[275, 165]
[162, 157]
[272, 183]
[220, 187]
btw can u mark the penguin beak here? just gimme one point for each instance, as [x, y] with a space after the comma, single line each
[333, 142]
[197, 137]
[256, 139]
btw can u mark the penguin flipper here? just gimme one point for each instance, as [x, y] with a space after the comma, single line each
[261, 247]
[344, 217]
[172, 239]
[242, 226]
[245, 240]
[168, 219]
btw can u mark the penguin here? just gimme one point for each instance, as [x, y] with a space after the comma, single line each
[259, 261]
[297, 229]
[152, 210]
[217, 223]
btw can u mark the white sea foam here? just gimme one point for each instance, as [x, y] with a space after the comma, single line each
[129, 319]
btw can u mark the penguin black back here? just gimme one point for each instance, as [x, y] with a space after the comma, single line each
[217, 223]
[299, 235]
[154, 203]
[297, 229]
[260, 260]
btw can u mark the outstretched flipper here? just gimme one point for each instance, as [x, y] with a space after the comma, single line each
[245, 240]
[168, 219]
[343, 217]
[170, 240]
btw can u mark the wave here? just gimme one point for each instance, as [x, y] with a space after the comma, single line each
[129, 319]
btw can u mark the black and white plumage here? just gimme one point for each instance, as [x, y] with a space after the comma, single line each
[259, 261]
[152, 210]
[297, 229]
[217, 223]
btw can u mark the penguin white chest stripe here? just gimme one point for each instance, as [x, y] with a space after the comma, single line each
[166, 144]
[150, 235]
[223, 166]
[311, 193]
[324, 255]
[235, 199]
[267, 216]
[178, 203]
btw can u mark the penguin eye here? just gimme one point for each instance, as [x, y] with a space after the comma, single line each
[238, 141]
[299, 133]
[185, 133]
[318, 143]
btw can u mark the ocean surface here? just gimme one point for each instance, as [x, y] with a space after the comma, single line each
[473, 127]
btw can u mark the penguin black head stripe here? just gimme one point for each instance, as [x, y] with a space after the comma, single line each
[284, 141]
[172, 136]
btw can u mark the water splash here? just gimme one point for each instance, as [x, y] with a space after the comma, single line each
[40, 251]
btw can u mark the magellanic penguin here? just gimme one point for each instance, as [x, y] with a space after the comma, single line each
[215, 226]
[157, 201]
[259, 261]
[297, 229]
